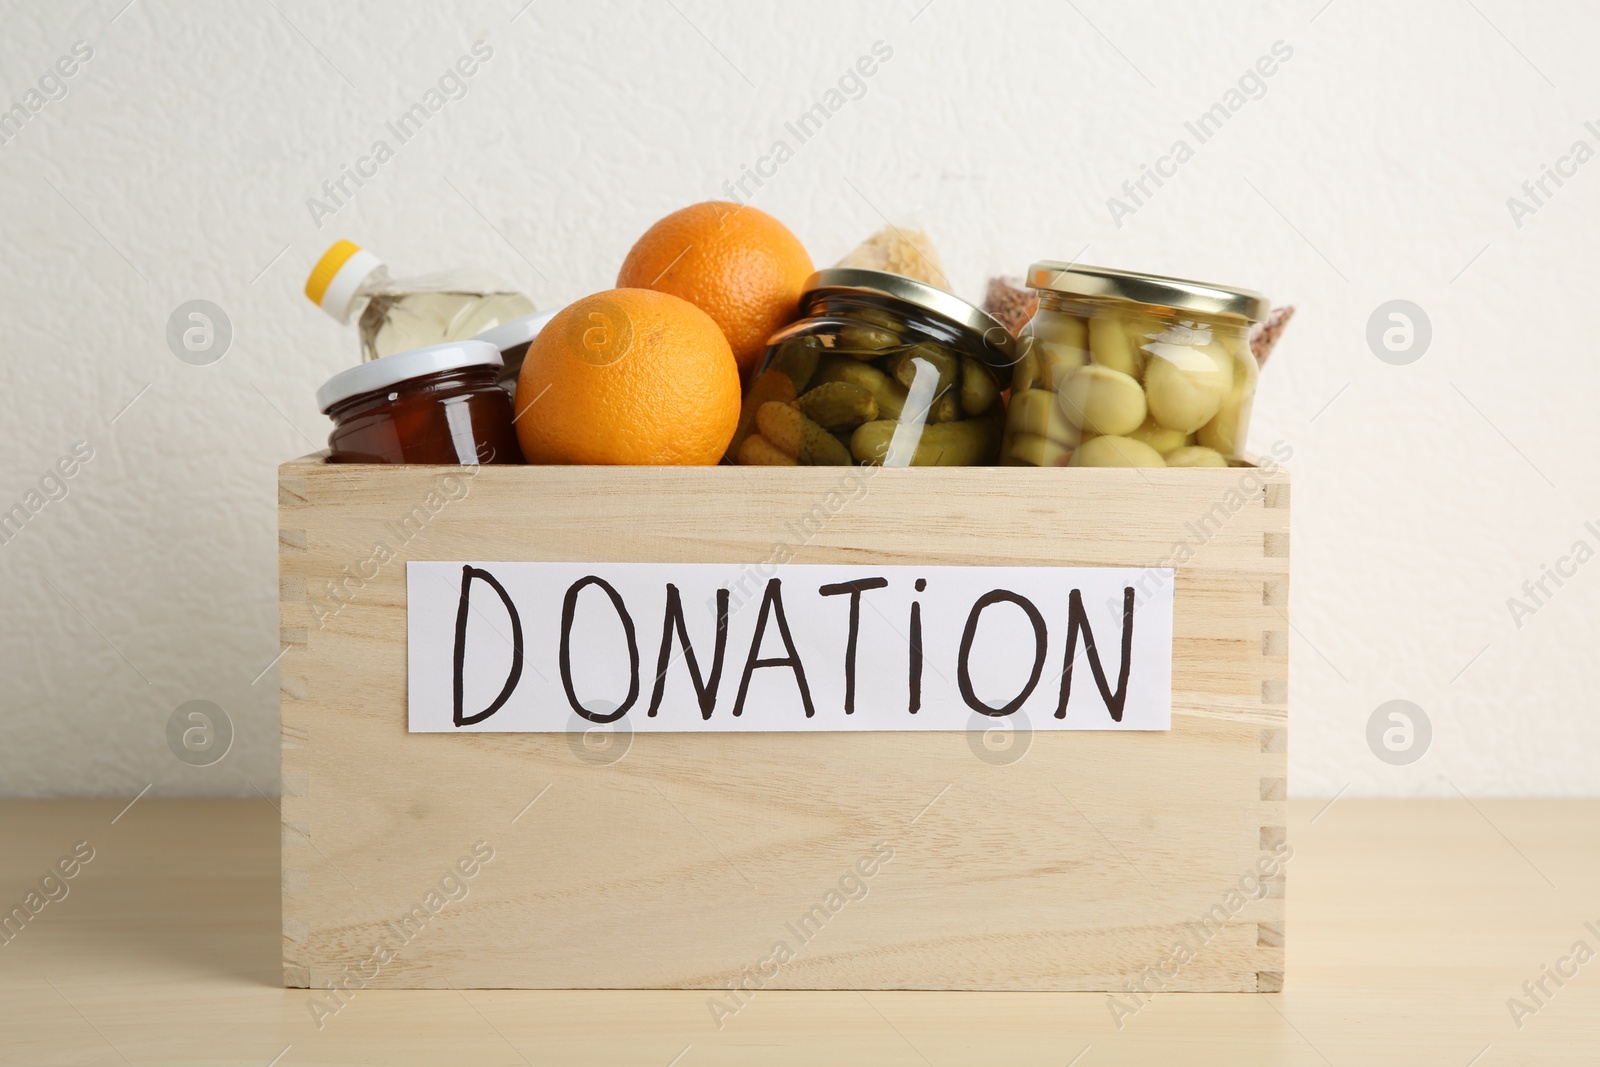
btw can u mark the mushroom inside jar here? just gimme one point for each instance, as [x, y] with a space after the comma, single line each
[1112, 382]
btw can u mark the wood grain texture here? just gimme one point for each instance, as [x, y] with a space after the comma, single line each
[684, 862]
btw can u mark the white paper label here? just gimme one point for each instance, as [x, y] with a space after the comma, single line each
[550, 647]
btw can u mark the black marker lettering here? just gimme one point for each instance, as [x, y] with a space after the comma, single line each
[772, 603]
[855, 589]
[704, 690]
[963, 668]
[467, 574]
[569, 609]
[1078, 619]
[914, 682]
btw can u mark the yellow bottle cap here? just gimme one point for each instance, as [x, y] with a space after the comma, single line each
[333, 282]
[327, 267]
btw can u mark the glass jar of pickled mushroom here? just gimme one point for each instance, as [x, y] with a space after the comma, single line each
[1118, 369]
[879, 369]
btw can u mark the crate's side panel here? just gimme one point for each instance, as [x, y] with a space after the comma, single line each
[295, 623]
[689, 861]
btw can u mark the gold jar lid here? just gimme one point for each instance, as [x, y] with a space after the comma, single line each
[1203, 298]
[999, 347]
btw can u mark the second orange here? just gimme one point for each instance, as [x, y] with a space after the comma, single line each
[739, 265]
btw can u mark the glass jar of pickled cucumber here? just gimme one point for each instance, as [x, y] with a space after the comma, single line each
[1118, 369]
[879, 369]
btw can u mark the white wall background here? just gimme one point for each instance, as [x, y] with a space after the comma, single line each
[1376, 166]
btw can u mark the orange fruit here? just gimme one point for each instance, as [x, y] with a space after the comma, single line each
[739, 265]
[628, 376]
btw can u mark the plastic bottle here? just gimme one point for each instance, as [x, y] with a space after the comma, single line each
[401, 314]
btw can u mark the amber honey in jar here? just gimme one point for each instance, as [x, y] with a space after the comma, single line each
[879, 369]
[1119, 369]
[440, 404]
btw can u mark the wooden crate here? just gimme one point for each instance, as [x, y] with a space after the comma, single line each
[1078, 867]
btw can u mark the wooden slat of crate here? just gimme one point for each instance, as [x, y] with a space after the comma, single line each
[682, 864]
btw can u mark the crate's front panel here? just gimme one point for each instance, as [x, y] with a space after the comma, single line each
[893, 860]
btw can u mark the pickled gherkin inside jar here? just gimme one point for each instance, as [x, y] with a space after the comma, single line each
[879, 369]
[1118, 369]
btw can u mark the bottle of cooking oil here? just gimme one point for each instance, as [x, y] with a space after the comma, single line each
[400, 314]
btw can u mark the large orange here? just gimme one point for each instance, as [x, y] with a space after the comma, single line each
[739, 265]
[628, 376]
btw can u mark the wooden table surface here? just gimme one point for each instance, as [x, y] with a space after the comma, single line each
[1411, 925]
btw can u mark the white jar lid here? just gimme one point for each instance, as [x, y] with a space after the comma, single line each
[518, 331]
[404, 366]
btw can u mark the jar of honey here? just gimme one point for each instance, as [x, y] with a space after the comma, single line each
[438, 404]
